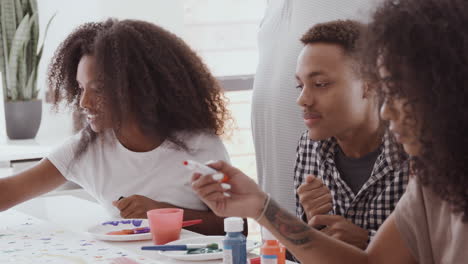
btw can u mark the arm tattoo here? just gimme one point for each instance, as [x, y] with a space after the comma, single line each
[291, 228]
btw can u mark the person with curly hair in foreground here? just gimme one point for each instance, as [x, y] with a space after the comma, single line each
[150, 104]
[416, 49]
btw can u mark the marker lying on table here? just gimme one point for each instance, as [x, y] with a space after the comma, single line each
[141, 230]
[181, 247]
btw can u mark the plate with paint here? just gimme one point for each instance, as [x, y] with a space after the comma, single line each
[184, 255]
[121, 230]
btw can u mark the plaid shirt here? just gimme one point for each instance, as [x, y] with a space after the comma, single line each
[378, 196]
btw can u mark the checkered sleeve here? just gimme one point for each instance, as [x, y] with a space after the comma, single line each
[299, 169]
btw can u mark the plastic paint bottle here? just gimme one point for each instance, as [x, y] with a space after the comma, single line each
[272, 252]
[282, 257]
[234, 243]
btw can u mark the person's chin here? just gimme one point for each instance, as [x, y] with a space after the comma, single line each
[316, 134]
[96, 128]
[412, 149]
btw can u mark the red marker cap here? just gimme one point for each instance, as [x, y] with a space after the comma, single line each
[254, 260]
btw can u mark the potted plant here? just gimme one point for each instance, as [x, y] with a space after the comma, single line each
[19, 60]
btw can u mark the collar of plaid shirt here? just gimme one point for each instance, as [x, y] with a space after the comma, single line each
[391, 157]
[377, 197]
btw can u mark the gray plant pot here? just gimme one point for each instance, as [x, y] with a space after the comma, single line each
[23, 118]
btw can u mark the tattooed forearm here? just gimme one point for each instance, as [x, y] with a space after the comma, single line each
[291, 228]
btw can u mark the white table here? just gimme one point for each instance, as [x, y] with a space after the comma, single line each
[75, 216]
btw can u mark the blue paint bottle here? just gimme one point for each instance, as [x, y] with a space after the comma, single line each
[234, 243]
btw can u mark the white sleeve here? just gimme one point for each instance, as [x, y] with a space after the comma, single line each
[220, 150]
[206, 147]
[62, 157]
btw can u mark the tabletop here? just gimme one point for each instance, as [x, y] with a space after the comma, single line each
[53, 230]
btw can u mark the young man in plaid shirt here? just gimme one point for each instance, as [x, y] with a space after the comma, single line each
[349, 171]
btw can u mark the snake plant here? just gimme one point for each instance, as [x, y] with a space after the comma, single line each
[19, 51]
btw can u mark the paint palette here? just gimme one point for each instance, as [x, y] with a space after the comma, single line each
[102, 230]
[182, 255]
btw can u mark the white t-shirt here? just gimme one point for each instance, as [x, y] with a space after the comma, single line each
[277, 124]
[108, 170]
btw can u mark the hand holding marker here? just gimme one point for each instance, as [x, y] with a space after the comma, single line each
[197, 167]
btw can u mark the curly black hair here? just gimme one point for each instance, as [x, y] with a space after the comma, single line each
[342, 32]
[345, 33]
[147, 71]
[423, 45]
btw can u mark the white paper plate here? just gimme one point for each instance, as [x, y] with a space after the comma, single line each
[99, 231]
[182, 255]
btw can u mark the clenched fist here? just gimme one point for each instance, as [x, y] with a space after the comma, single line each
[314, 197]
[136, 206]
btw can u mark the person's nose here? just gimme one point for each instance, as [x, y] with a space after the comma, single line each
[86, 100]
[387, 111]
[306, 98]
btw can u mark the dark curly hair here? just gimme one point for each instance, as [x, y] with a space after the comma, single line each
[344, 33]
[146, 71]
[423, 45]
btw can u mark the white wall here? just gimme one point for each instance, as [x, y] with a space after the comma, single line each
[224, 33]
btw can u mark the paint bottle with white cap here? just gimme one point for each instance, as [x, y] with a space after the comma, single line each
[271, 252]
[234, 243]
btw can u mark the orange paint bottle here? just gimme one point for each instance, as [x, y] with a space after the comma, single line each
[282, 258]
[271, 252]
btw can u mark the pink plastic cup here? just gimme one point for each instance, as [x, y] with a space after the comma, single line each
[165, 224]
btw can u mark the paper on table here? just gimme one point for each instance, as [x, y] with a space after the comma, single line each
[25, 239]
